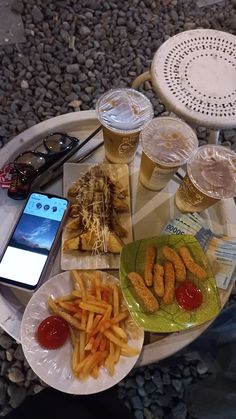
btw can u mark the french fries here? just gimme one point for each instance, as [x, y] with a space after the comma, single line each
[96, 316]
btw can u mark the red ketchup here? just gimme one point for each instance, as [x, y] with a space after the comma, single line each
[52, 332]
[188, 296]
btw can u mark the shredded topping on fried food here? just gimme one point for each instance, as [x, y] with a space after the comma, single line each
[97, 199]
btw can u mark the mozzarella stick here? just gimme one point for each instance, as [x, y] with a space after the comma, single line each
[145, 295]
[169, 275]
[158, 280]
[192, 266]
[149, 265]
[173, 257]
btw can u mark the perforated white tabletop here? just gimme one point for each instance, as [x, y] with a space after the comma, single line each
[194, 75]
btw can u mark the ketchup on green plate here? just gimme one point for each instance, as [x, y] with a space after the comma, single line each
[52, 332]
[188, 296]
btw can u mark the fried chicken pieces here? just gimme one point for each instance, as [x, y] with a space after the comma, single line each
[159, 280]
[148, 299]
[96, 202]
[192, 266]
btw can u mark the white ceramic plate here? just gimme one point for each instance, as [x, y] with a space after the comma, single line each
[53, 366]
[86, 260]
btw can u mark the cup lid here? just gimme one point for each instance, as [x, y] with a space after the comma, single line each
[168, 141]
[212, 170]
[124, 110]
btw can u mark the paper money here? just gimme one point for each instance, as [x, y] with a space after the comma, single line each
[220, 250]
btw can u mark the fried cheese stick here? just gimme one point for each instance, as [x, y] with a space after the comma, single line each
[145, 295]
[149, 265]
[158, 280]
[171, 255]
[192, 266]
[169, 275]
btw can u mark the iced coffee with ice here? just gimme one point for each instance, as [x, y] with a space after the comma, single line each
[123, 113]
[211, 176]
[168, 143]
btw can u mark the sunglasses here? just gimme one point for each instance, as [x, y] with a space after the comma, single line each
[45, 164]
[55, 146]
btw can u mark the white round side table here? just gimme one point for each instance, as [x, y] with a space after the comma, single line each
[150, 213]
[194, 75]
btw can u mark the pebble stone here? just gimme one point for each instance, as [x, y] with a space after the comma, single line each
[202, 368]
[5, 341]
[3, 393]
[229, 134]
[37, 14]
[72, 68]
[84, 31]
[15, 375]
[19, 354]
[177, 384]
[9, 355]
[24, 84]
[141, 392]
[136, 402]
[166, 378]
[148, 414]
[139, 414]
[30, 376]
[140, 380]
[179, 411]
[17, 396]
[150, 387]
[5, 365]
[38, 388]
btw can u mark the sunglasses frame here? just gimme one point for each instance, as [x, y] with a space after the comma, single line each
[50, 158]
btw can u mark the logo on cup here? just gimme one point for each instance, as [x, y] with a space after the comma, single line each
[190, 194]
[126, 147]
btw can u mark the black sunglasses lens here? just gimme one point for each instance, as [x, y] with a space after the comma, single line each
[27, 163]
[57, 142]
[41, 149]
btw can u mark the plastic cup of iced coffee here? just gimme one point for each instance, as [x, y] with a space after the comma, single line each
[211, 176]
[168, 143]
[122, 114]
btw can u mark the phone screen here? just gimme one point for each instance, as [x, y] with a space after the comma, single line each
[29, 246]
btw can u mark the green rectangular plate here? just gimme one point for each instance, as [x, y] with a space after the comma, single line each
[169, 318]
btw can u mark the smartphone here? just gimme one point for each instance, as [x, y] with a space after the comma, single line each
[33, 243]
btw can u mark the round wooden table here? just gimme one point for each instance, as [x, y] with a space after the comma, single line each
[150, 213]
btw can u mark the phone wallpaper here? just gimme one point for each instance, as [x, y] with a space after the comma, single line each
[35, 234]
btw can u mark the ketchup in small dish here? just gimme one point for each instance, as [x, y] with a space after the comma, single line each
[188, 296]
[52, 332]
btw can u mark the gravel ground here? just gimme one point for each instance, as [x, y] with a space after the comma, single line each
[75, 51]
[156, 391]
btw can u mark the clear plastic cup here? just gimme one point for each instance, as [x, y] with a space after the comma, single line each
[211, 176]
[122, 113]
[168, 143]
